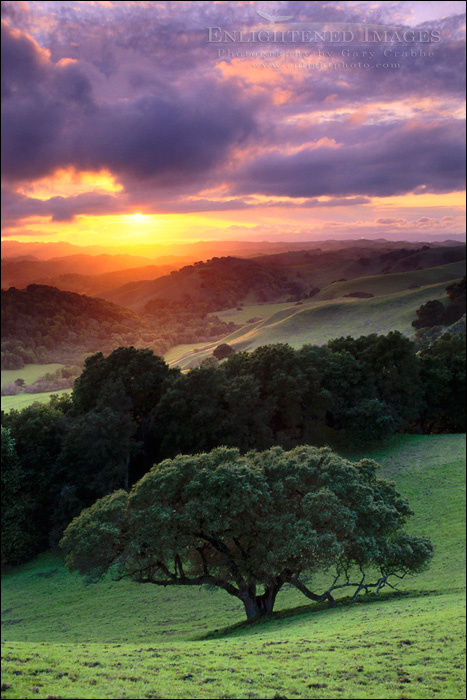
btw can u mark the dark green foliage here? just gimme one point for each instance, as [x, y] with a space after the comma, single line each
[43, 324]
[244, 523]
[390, 372]
[94, 460]
[456, 306]
[17, 530]
[129, 410]
[37, 432]
[434, 313]
[443, 375]
[128, 381]
[222, 351]
[429, 314]
[178, 322]
[189, 416]
[371, 419]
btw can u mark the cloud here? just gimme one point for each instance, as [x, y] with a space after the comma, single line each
[51, 120]
[134, 89]
[412, 157]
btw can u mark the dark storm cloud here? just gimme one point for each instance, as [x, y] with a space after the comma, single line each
[405, 159]
[50, 120]
[167, 140]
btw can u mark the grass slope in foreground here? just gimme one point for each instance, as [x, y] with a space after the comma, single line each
[123, 640]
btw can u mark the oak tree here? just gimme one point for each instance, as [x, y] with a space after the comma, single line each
[251, 524]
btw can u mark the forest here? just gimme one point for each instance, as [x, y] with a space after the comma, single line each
[129, 410]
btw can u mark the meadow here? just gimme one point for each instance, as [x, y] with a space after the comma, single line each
[66, 639]
[29, 373]
[390, 283]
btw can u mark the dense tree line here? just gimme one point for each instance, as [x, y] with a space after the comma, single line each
[178, 322]
[128, 410]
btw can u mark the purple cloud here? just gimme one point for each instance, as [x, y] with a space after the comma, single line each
[133, 88]
[400, 160]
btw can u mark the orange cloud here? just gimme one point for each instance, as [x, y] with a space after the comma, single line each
[69, 183]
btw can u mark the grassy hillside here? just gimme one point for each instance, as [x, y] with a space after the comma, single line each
[321, 268]
[216, 284]
[380, 285]
[68, 640]
[316, 322]
[29, 373]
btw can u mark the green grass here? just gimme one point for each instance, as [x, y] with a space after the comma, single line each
[29, 372]
[178, 351]
[315, 322]
[22, 400]
[250, 311]
[113, 640]
[185, 353]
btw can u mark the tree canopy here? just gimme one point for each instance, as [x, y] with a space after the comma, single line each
[250, 524]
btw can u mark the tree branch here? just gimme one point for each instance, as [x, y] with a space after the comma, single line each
[186, 581]
[224, 550]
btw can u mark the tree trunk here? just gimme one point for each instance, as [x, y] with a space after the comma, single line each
[260, 605]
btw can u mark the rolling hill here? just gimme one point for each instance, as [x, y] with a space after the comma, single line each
[390, 283]
[218, 283]
[221, 283]
[85, 274]
[317, 322]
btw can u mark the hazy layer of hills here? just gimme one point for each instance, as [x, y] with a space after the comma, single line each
[199, 250]
[223, 282]
[326, 292]
[85, 274]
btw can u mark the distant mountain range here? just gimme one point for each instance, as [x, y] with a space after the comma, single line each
[199, 250]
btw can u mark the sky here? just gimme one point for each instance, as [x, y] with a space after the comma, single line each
[127, 123]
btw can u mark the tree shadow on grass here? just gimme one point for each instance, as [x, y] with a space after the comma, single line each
[345, 604]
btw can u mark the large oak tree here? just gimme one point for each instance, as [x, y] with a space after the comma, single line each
[250, 524]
